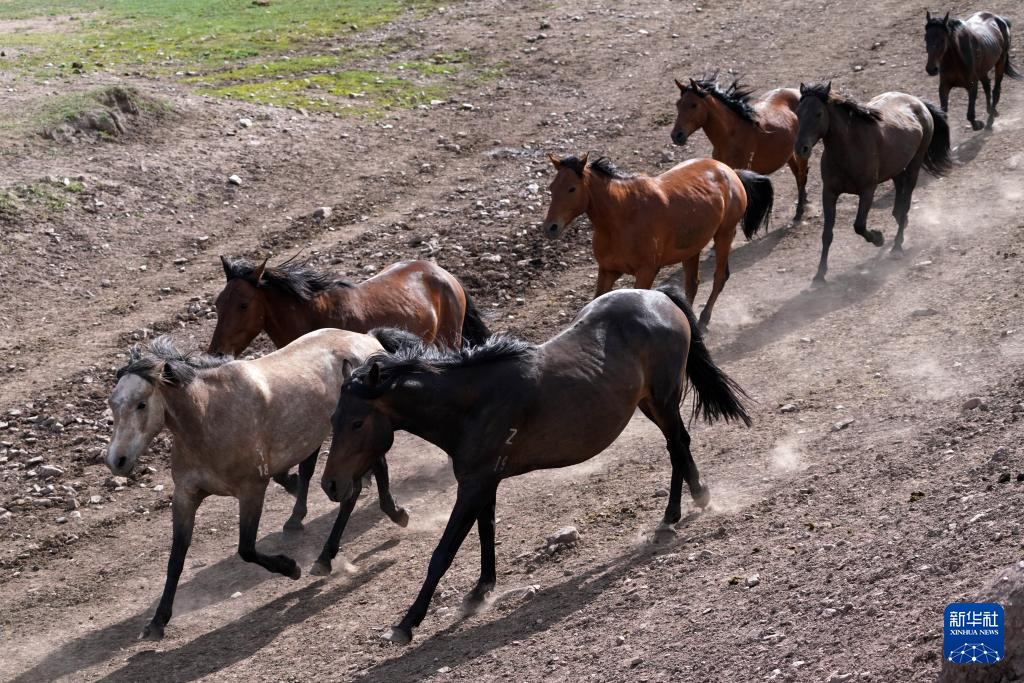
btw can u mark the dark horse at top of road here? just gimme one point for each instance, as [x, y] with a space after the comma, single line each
[962, 53]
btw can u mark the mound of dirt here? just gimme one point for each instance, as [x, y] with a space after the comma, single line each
[113, 115]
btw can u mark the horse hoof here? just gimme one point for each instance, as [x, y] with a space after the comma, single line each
[320, 569]
[665, 533]
[294, 525]
[818, 281]
[977, 125]
[473, 603]
[153, 631]
[896, 254]
[296, 573]
[702, 498]
[398, 635]
[348, 567]
[401, 518]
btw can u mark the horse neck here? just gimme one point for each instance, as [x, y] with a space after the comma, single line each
[446, 393]
[722, 122]
[184, 410]
[289, 317]
[607, 198]
[839, 125]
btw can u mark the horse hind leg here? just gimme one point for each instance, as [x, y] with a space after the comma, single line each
[986, 85]
[905, 184]
[691, 277]
[860, 223]
[397, 514]
[664, 412]
[972, 98]
[306, 468]
[723, 244]
[250, 509]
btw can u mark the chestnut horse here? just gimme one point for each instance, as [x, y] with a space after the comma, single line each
[236, 424]
[560, 404]
[756, 134]
[963, 53]
[890, 138]
[643, 223]
[291, 299]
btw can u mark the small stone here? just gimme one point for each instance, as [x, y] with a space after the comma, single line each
[620, 640]
[974, 403]
[788, 408]
[842, 424]
[234, 180]
[1004, 477]
[568, 534]
[858, 67]
[75, 514]
[158, 488]
[635, 662]
[236, 594]
[323, 213]
[116, 482]
[661, 493]
[45, 472]
[1020, 477]
[245, 123]
[923, 312]
[444, 669]
[95, 500]
[828, 612]
[752, 581]
[62, 520]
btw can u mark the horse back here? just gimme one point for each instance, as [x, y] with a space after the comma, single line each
[988, 41]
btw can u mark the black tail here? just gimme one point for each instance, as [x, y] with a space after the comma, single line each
[760, 199]
[394, 339]
[717, 396]
[1008, 68]
[938, 160]
[474, 331]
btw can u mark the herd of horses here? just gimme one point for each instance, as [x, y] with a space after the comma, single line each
[408, 350]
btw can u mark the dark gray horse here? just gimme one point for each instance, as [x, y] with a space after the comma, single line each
[509, 407]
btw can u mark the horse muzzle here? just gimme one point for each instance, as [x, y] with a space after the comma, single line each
[337, 491]
[931, 69]
[679, 137]
[554, 229]
[119, 462]
[803, 150]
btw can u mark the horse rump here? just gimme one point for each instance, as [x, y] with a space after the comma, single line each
[760, 199]
[394, 339]
[938, 160]
[716, 395]
[474, 330]
[1008, 68]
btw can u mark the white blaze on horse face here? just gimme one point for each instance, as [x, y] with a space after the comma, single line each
[138, 411]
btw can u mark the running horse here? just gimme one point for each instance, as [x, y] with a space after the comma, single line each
[293, 298]
[962, 53]
[642, 223]
[236, 424]
[560, 403]
[756, 134]
[889, 138]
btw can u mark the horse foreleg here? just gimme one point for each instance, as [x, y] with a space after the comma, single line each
[470, 500]
[997, 90]
[306, 468]
[396, 514]
[798, 165]
[944, 89]
[488, 569]
[691, 277]
[644, 278]
[905, 184]
[986, 85]
[183, 519]
[722, 247]
[972, 96]
[250, 509]
[605, 281]
[828, 209]
[860, 223]
[322, 566]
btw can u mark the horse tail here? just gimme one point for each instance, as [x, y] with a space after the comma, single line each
[938, 160]
[760, 199]
[474, 330]
[394, 339]
[716, 395]
[1008, 67]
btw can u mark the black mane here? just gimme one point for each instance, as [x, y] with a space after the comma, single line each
[736, 96]
[297, 278]
[164, 363]
[422, 358]
[602, 166]
[822, 92]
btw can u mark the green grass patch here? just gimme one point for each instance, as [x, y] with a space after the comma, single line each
[24, 198]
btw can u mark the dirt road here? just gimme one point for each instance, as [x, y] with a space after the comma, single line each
[863, 509]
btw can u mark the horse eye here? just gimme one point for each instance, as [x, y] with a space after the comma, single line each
[357, 424]
[243, 306]
[572, 189]
[142, 406]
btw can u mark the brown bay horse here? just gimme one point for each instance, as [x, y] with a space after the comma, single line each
[560, 403]
[236, 424]
[756, 134]
[889, 138]
[642, 223]
[293, 298]
[962, 53]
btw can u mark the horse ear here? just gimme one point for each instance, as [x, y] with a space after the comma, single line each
[586, 155]
[945, 19]
[803, 88]
[373, 376]
[226, 266]
[927, 15]
[346, 369]
[682, 88]
[828, 88]
[258, 273]
[555, 161]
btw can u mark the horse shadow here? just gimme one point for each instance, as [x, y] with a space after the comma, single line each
[214, 583]
[461, 643]
[843, 290]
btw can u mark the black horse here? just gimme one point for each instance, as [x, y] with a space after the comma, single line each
[963, 53]
[509, 407]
